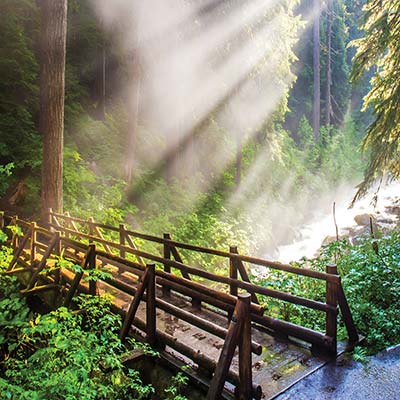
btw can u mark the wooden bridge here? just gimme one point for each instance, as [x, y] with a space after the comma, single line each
[192, 316]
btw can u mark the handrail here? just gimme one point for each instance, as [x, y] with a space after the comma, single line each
[115, 254]
[316, 305]
[252, 260]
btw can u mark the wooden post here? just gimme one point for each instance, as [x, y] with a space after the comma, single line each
[57, 250]
[167, 255]
[67, 224]
[91, 227]
[77, 279]
[122, 239]
[331, 316]
[14, 239]
[49, 217]
[130, 315]
[233, 272]
[151, 306]
[33, 241]
[92, 266]
[347, 316]
[245, 363]
[239, 333]
[1, 219]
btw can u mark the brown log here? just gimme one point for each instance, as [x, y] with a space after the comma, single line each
[92, 266]
[20, 249]
[196, 356]
[122, 238]
[332, 300]
[233, 272]
[347, 316]
[133, 307]
[33, 240]
[151, 306]
[225, 358]
[225, 297]
[245, 363]
[191, 270]
[40, 289]
[181, 313]
[290, 329]
[43, 261]
[77, 279]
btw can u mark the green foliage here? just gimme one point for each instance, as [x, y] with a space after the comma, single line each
[5, 173]
[88, 194]
[379, 49]
[371, 281]
[19, 83]
[67, 354]
[178, 382]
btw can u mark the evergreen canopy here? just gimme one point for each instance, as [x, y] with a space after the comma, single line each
[380, 48]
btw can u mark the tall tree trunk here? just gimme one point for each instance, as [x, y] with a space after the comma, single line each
[317, 65]
[238, 177]
[53, 35]
[133, 113]
[101, 82]
[328, 110]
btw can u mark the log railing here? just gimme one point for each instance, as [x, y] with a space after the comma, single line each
[115, 246]
[170, 258]
[46, 244]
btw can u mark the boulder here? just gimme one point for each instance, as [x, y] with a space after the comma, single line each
[363, 219]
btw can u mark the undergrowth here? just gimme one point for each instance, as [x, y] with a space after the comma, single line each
[370, 271]
[66, 354]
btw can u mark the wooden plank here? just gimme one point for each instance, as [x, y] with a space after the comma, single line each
[197, 357]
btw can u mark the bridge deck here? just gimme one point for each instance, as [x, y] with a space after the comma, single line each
[281, 364]
[196, 316]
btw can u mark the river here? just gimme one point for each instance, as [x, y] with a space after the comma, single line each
[321, 225]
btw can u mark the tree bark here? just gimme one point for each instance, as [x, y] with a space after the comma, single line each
[133, 113]
[328, 110]
[53, 35]
[316, 66]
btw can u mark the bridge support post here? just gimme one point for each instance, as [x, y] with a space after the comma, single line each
[245, 367]
[167, 255]
[239, 334]
[151, 306]
[92, 266]
[33, 242]
[331, 316]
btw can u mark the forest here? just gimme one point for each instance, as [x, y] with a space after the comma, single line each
[227, 124]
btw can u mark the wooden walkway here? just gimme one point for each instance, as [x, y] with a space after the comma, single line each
[213, 322]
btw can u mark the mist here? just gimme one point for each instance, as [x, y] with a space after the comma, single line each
[209, 83]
